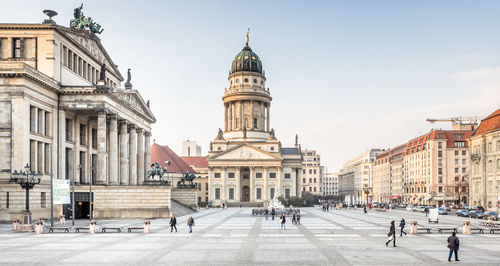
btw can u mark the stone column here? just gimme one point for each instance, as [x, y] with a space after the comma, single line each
[101, 148]
[278, 177]
[124, 168]
[76, 157]
[230, 116]
[223, 188]
[132, 155]
[113, 151]
[241, 115]
[251, 115]
[61, 145]
[140, 156]
[251, 195]
[237, 190]
[225, 116]
[147, 151]
[268, 117]
[265, 194]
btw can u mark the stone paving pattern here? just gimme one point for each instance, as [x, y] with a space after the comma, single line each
[233, 236]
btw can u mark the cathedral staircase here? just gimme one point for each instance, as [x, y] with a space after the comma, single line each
[180, 210]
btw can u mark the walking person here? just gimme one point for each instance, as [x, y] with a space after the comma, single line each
[426, 211]
[364, 208]
[283, 221]
[190, 223]
[294, 218]
[273, 213]
[298, 217]
[267, 214]
[453, 245]
[173, 223]
[402, 225]
[391, 235]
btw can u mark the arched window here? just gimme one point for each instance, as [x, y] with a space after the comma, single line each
[255, 120]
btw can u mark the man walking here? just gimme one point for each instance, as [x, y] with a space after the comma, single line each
[173, 223]
[453, 245]
[402, 225]
[298, 217]
[267, 214]
[391, 235]
[426, 211]
[273, 213]
[190, 223]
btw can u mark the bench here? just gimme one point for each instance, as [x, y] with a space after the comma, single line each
[492, 230]
[480, 230]
[77, 230]
[444, 229]
[134, 228]
[52, 228]
[117, 229]
[421, 228]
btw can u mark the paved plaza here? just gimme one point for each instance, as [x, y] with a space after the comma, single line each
[233, 236]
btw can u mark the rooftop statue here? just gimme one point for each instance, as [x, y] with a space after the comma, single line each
[128, 85]
[81, 22]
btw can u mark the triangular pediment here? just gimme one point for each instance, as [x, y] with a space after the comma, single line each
[134, 100]
[93, 46]
[245, 152]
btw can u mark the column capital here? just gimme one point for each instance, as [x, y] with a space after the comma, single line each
[132, 126]
[101, 111]
[139, 130]
[147, 133]
[122, 122]
[112, 117]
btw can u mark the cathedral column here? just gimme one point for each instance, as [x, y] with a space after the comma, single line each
[262, 121]
[76, 157]
[124, 168]
[132, 155]
[230, 118]
[101, 148]
[225, 116]
[278, 176]
[140, 156]
[241, 115]
[251, 115]
[147, 149]
[298, 182]
[268, 117]
[113, 150]
[61, 144]
[237, 192]
[223, 188]
[251, 196]
[265, 192]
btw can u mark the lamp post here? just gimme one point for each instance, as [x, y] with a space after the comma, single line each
[27, 180]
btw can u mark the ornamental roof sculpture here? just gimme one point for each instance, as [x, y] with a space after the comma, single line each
[81, 22]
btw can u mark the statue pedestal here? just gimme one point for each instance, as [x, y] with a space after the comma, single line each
[275, 203]
[186, 186]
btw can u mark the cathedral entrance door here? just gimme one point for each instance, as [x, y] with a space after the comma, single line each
[245, 193]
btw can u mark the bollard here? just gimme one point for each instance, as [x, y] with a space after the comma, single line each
[147, 226]
[15, 225]
[62, 219]
[413, 229]
[92, 227]
[466, 229]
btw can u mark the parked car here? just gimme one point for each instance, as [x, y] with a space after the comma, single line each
[421, 208]
[402, 205]
[475, 214]
[463, 213]
[442, 211]
[448, 208]
[493, 215]
[409, 207]
[476, 208]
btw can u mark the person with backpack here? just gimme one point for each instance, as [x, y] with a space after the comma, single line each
[402, 225]
[190, 223]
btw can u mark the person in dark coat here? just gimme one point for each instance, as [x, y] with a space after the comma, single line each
[402, 225]
[364, 208]
[273, 213]
[453, 245]
[173, 222]
[298, 217]
[267, 214]
[283, 221]
[391, 235]
[190, 224]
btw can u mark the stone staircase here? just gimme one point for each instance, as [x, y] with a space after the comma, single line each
[180, 210]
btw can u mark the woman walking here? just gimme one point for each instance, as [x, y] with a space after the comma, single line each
[283, 221]
[391, 235]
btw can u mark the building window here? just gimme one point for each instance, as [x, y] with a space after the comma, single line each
[16, 44]
[272, 175]
[287, 176]
[258, 175]
[459, 144]
[231, 193]
[94, 138]
[259, 193]
[217, 175]
[287, 193]
[456, 161]
[303, 180]
[83, 134]
[271, 193]
[463, 170]
[310, 180]
[43, 200]
[314, 180]
[456, 170]
[230, 175]
[7, 200]
[217, 193]
[440, 189]
[440, 171]
[440, 179]
[206, 186]
[255, 123]
[440, 154]
[314, 189]
[310, 189]
[314, 171]
[310, 171]
[304, 171]
[440, 145]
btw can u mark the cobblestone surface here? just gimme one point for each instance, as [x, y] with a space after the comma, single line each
[234, 236]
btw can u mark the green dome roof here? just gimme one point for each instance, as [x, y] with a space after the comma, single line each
[246, 60]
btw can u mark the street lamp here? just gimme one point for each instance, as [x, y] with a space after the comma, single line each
[27, 180]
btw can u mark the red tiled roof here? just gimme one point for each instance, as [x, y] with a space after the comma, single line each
[490, 123]
[418, 144]
[161, 154]
[196, 161]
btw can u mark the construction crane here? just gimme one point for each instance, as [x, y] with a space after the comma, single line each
[458, 123]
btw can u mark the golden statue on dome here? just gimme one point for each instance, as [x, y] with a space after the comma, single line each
[246, 36]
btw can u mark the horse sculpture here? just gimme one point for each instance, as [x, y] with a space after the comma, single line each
[186, 177]
[156, 170]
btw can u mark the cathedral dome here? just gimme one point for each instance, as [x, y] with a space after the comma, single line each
[246, 60]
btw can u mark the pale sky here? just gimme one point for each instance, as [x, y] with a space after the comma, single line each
[344, 76]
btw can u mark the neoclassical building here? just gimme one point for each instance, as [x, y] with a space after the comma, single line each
[64, 112]
[246, 161]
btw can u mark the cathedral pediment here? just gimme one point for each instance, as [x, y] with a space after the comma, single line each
[93, 47]
[245, 152]
[134, 100]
